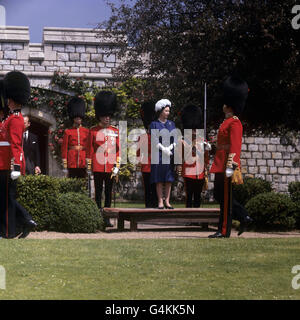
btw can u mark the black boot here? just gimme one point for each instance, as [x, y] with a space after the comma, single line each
[244, 224]
[27, 228]
[107, 223]
[216, 235]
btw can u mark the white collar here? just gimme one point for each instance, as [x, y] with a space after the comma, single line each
[163, 122]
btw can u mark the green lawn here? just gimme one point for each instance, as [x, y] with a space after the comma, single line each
[150, 269]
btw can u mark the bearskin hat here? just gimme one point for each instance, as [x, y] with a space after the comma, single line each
[147, 113]
[105, 104]
[191, 117]
[76, 108]
[235, 93]
[17, 87]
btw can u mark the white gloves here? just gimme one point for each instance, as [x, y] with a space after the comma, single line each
[171, 147]
[15, 175]
[115, 171]
[166, 150]
[229, 172]
[207, 146]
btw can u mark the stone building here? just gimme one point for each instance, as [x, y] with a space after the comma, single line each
[81, 53]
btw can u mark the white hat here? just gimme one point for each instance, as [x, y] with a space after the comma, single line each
[162, 104]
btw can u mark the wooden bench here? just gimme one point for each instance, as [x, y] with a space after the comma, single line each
[136, 215]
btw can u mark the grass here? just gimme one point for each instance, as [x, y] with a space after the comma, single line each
[190, 269]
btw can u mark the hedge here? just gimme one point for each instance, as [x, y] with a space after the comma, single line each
[294, 191]
[250, 188]
[272, 211]
[39, 195]
[76, 213]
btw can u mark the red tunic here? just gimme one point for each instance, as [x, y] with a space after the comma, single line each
[4, 148]
[229, 144]
[145, 165]
[14, 127]
[190, 170]
[103, 148]
[74, 147]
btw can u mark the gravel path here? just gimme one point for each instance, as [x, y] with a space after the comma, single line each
[158, 231]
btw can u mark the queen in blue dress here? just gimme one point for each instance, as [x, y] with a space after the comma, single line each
[162, 171]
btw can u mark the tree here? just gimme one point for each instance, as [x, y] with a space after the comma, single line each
[178, 45]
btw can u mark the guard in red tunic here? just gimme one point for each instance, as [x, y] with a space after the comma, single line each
[103, 150]
[13, 217]
[195, 156]
[75, 141]
[226, 165]
[148, 115]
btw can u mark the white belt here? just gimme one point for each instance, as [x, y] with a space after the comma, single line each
[4, 144]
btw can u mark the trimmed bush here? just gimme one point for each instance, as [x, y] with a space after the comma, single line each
[272, 211]
[250, 188]
[76, 213]
[39, 194]
[72, 185]
[294, 191]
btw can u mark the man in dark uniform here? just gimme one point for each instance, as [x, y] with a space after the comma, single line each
[75, 141]
[13, 216]
[226, 165]
[31, 150]
[148, 115]
[103, 151]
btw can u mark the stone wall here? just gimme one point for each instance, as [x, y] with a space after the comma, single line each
[79, 52]
[273, 159]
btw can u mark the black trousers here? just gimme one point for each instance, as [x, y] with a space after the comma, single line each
[99, 178]
[150, 197]
[23, 216]
[13, 217]
[7, 206]
[76, 172]
[193, 189]
[229, 207]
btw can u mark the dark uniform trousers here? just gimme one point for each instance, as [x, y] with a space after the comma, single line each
[12, 215]
[99, 178]
[229, 207]
[7, 205]
[151, 199]
[193, 189]
[76, 172]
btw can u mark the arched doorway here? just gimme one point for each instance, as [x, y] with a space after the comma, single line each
[41, 122]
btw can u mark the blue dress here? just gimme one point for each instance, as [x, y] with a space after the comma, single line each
[162, 172]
